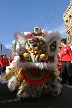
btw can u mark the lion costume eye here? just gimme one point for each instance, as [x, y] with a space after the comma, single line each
[31, 41]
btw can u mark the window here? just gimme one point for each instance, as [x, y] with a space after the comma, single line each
[69, 33]
[70, 16]
[66, 21]
[69, 38]
[4, 50]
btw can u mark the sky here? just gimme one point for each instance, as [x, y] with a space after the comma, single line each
[24, 15]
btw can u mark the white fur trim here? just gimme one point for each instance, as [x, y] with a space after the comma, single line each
[12, 83]
[26, 33]
[40, 65]
[52, 35]
[20, 37]
[3, 80]
[24, 95]
[16, 59]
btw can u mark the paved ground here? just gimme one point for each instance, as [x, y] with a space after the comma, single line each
[8, 100]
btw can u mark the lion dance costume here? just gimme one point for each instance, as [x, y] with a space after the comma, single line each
[34, 69]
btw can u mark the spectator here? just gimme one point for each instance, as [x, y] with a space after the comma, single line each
[6, 59]
[4, 63]
[0, 65]
[66, 59]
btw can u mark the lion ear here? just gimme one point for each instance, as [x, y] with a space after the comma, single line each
[20, 37]
[52, 36]
[53, 43]
[16, 35]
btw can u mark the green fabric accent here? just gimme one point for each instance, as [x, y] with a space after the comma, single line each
[26, 42]
[30, 58]
[27, 71]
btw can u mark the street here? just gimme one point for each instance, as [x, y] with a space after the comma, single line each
[8, 100]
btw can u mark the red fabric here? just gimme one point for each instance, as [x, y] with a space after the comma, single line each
[10, 60]
[65, 54]
[4, 62]
[22, 72]
[7, 61]
[34, 34]
[59, 63]
[0, 61]
[57, 56]
[13, 57]
[36, 73]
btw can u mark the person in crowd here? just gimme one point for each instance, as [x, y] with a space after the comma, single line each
[4, 62]
[10, 60]
[66, 60]
[0, 64]
[0, 68]
[6, 59]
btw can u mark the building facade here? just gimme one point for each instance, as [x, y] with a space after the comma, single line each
[67, 17]
[3, 50]
[8, 53]
[13, 47]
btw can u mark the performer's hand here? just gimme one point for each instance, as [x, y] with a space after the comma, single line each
[71, 61]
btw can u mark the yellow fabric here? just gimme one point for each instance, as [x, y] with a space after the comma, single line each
[53, 75]
[26, 55]
[42, 56]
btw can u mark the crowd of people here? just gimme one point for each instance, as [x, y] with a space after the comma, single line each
[4, 61]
